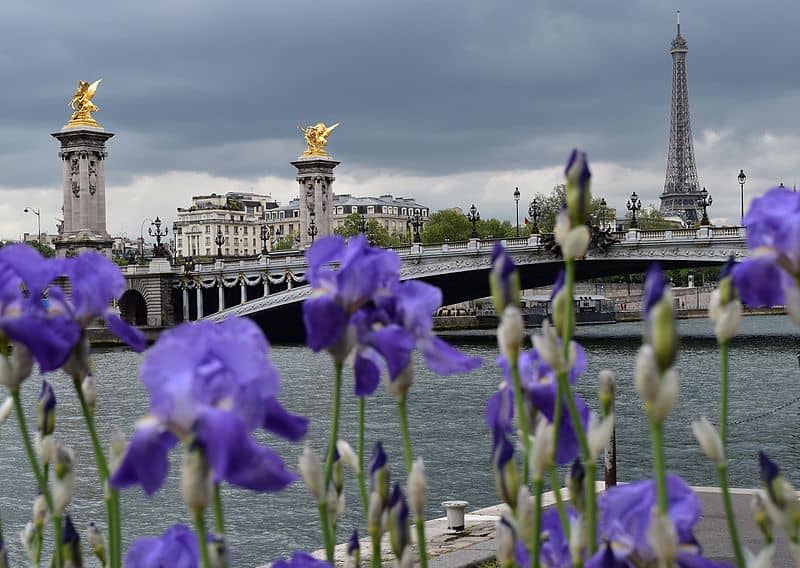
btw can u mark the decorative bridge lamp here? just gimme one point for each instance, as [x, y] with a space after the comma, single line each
[264, 239]
[415, 222]
[219, 240]
[704, 201]
[534, 211]
[312, 226]
[634, 205]
[603, 213]
[473, 217]
[516, 200]
[362, 224]
[36, 212]
[742, 178]
[159, 251]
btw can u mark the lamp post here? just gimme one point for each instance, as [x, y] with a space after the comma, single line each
[704, 201]
[362, 224]
[219, 240]
[312, 227]
[516, 200]
[264, 239]
[534, 211]
[742, 178]
[159, 251]
[603, 213]
[415, 222]
[634, 205]
[36, 212]
[141, 238]
[473, 217]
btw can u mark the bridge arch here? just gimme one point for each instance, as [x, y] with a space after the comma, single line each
[133, 307]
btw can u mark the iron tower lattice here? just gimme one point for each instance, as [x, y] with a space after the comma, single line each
[681, 188]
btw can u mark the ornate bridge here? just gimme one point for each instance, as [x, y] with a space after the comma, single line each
[270, 288]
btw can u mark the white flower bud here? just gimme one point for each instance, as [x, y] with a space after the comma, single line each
[577, 539]
[26, 537]
[607, 390]
[89, 389]
[407, 560]
[667, 396]
[511, 332]
[197, 485]
[118, 447]
[600, 433]
[542, 451]
[646, 375]
[347, 455]
[762, 560]
[417, 488]
[96, 542]
[39, 511]
[662, 537]
[375, 523]
[311, 470]
[16, 367]
[335, 504]
[726, 317]
[45, 446]
[504, 535]
[524, 516]
[5, 409]
[709, 440]
[549, 348]
[576, 243]
[562, 227]
[63, 482]
[400, 385]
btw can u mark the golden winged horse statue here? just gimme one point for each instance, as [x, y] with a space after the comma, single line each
[83, 106]
[317, 138]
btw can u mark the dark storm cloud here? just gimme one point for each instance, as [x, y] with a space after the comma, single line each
[430, 88]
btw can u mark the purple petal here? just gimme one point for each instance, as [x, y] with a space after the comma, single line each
[559, 283]
[654, 285]
[300, 559]
[95, 281]
[323, 252]
[49, 339]
[127, 333]
[759, 281]
[543, 397]
[145, 461]
[325, 322]
[395, 344]
[176, 548]
[26, 263]
[500, 411]
[367, 371]
[279, 421]
[444, 359]
[235, 457]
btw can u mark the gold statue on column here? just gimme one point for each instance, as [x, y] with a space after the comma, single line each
[83, 106]
[317, 138]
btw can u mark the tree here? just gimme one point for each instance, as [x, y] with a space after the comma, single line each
[651, 219]
[551, 204]
[446, 224]
[376, 234]
[286, 243]
[495, 228]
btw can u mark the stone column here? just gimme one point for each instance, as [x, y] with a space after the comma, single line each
[199, 301]
[242, 292]
[185, 295]
[84, 191]
[221, 295]
[315, 179]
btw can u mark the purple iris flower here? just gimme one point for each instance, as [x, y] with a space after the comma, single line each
[300, 559]
[555, 546]
[345, 277]
[503, 279]
[25, 312]
[353, 545]
[96, 281]
[398, 521]
[177, 548]
[654, 286]
[771, 276]
[211, 384]
[46, 409]
[625, 514]
[71, 543]
[539, 384]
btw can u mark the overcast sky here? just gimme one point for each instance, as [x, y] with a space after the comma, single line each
[451, 102]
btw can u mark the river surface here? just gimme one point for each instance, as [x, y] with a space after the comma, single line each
[446, 418]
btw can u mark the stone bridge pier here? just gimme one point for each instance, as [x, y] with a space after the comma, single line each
[147, 300]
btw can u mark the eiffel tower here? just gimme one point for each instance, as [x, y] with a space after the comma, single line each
[681, 188]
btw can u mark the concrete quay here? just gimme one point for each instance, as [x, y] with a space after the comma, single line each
[477, 544]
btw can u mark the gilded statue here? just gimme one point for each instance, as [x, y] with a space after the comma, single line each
[317, 138]
[83, 106]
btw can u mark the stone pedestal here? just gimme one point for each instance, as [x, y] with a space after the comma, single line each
[315, 177]
[83, 153]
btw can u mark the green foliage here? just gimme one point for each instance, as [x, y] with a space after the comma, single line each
[286, 243]
[651, 219]
[43, 249]
[496, 228]
[551, 204]
[376, 234]
[446, 224]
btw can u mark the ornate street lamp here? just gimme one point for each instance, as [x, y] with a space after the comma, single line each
[36, 212]
[219, 240]
[188, 265]
[603, 212]
[415, 222]
[312, 227]
[264, 239]
[634, 205]
[473, 217]
[534, 211]
[704, 201]
[362, 224]
[516, 200]
[742, 178]
[159, 251]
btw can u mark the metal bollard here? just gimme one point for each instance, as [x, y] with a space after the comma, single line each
[455, 515]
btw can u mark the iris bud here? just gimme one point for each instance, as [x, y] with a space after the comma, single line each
[96, 543]
[646, 375]
[577, 539]
[417, 487]
[511, 332]
[505, 471]
[542, 452]
[663, 335]
[524, 516]
[379, 473]
[667, 396]
[662, 537]
[561, 304]
[353, 558]
[764, 559]
[118, 446]
[26, 538]
[39, 511]
[726, 316]
[337, 472]
[573, 240]
[46, 409]
[77, 365]
[348, 456]
[600, 433]
[5, 409]
[196, 483]
[311, 470]
[579, 196]
[709, 440]
[607, 391]
[398, 522]
[64, 481]
[506, 541]
[89, 390]
[548, 346]
[45, 446]
[503, 280]
[375, 515]
[575, 485]
[15, 368]
[71, 545]
[761, 516]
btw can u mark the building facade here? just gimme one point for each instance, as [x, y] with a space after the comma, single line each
[236, 216]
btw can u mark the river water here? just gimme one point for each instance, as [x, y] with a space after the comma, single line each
[446, 418]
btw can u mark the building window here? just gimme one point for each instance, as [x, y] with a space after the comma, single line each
[244, 229]
[241, 217]
[180, 243]
[235, 252]
[208, 228]
[236, 241]
[404, 212]
[226, 229]
[281, 214]
[245, 252]
[370, 210]
[227, 240]
[227, 251]
[208, 252]
[208, 241]
[296, 213]
[254, 243]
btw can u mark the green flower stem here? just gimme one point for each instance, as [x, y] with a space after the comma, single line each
[335, 406]
[111, 495]
[522, 418]
[38, 540]
[37, 472]
[659, 465]
[219, 516]
[555, 480]
[376, 551]
[362, 484]
[569, 306]
[723, 399]
[722, 471]
[200, 529]
[324, 521]
[409, 457]
[538, 486]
